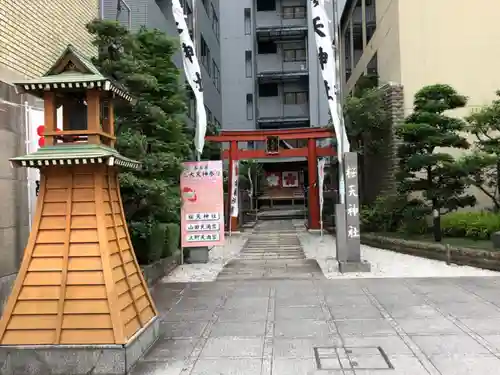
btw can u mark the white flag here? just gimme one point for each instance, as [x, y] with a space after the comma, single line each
[234, 192]
[193, 73]
[321, 179]
[329, 66]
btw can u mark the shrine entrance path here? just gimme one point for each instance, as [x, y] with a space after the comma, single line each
[437, 326]
[273, 251]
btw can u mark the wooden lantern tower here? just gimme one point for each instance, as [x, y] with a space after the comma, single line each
[79, 282]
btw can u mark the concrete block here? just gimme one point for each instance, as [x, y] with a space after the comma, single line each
[350, 267]
[78, 359]
[198, 255]
[495, 238]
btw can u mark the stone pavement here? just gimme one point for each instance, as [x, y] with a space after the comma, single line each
[272, 312]
[448, 326]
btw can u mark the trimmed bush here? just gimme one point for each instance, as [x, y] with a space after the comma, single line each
[172, 239]
[478, 225]
[157, 242]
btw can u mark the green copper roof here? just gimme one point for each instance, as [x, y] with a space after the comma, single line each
[81, 75]
[68, 154]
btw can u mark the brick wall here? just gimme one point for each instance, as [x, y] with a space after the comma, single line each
[34, 33]
[380, 168]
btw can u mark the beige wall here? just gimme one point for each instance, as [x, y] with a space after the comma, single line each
[32, 35]
[33, 32]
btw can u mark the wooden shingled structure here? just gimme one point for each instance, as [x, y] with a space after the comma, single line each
[79, 282]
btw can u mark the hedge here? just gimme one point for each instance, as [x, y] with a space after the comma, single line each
[478, 225]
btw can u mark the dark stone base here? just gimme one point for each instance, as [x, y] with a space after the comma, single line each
[78, 359]
[495, 238]
[349, 267]
[198, 254]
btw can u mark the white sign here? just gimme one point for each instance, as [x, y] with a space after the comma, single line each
[234, 192]
[193, 73]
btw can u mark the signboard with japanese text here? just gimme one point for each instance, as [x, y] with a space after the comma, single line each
[202, 212]
[235, 208]
[352, 206]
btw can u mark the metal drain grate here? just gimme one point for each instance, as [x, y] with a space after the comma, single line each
[351, 358]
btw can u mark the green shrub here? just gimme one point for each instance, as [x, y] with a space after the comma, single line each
[172, 240]
[476, 225]
[157, 242]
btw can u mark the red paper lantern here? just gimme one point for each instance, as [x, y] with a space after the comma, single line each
[41, 141]
[40, 130]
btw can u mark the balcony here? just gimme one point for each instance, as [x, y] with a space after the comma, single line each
[282, 62]
[284, 22]
[282, 105]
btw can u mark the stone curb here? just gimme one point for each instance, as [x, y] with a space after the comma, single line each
[489, 260]
[156, 271]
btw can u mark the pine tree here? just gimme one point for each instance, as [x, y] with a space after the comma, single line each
[424, 167]
[152, 131]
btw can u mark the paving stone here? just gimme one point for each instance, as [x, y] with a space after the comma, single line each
[403, 365]
[392, 345]
[287, 366]
[233, 347]
[226, 366]
[301, 347]
[494, 341]
[355, 312]
[159, 368]
[171, 349]
[466, 365]
[301, 328]
[449, 344]
[365, 327]
[253, 314]
[183, 329]
[429, 326]
[189, 315]
[306, 312]
[412, 311]
[475, 310]
[242, 329]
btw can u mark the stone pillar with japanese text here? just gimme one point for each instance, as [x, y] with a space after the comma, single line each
[353, 262]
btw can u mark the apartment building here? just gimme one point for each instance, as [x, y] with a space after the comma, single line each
[270, 72]
[417, 43]
[202, 19]
[32, 35]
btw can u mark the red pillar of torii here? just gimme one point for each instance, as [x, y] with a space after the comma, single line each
[311, 152]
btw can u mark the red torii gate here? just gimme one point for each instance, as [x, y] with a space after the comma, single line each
[311, 152]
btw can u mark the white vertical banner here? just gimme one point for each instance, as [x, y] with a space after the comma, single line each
[234, 192]
[192, 72]
[326, 58]
[321, 180]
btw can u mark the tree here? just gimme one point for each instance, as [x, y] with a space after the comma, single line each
[152, 131]
[483, 164]
[367, 118]
[435, 175]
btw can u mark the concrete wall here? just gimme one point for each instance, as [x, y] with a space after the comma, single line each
[234, 42]
[32, 36]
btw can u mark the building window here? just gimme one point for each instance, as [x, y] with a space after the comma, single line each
[248, 64]
[249, 106]
[205, 56]
[215, 23]
[296, 97]
[294, 51]
[265, 48]
[209, 115]
[216, 75]
[266, 5]
[296, 12]
[268, 90]
[248, 21]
